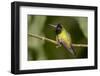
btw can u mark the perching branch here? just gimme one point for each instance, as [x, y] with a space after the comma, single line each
[53, 41]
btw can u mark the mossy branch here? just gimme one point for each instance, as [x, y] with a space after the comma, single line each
[53, 41]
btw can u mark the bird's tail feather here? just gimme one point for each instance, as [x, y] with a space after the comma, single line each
[72, 51]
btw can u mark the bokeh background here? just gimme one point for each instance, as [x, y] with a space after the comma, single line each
[42, 50]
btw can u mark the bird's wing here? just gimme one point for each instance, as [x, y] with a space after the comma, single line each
[69, 37]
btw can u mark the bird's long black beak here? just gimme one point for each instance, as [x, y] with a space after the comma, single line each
[52, 25]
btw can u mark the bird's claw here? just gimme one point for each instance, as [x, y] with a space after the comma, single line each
[59, 45]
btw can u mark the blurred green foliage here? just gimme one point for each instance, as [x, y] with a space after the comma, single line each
[43, 50]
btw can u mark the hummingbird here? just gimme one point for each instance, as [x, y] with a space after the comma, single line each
[63, 38]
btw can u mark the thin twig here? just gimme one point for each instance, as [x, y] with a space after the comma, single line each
[79, 45]
[53, 41]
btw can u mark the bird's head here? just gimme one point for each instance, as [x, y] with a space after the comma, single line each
[58, 28]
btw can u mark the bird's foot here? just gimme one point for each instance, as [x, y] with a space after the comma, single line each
[59, 45]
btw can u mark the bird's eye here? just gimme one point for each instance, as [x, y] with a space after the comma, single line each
[59, 28]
